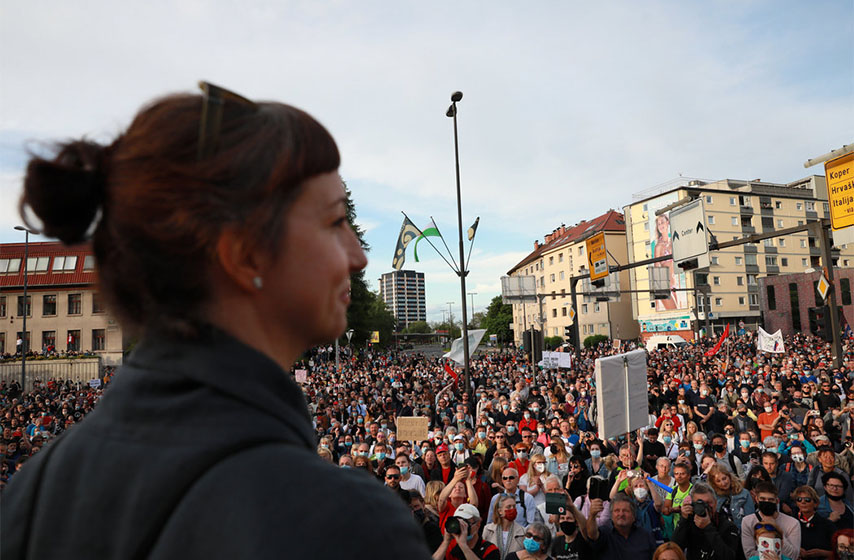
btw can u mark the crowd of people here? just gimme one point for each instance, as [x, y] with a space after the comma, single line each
[745, 455]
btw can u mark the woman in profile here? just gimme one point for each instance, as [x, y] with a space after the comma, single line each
[220, 232]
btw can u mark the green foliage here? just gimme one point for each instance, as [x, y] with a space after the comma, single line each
[453, 330]
[592, 341]
[497, 320]
[476, 320]
[418, 327]
[552, 342]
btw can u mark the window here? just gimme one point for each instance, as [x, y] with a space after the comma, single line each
[19, 339]
[803, 262]
[21, 306]
[803, 243]
[581, 249]
[560, 257]
[10, 266]
[751, 280]
[739, 260]
[75, 304]
[97, 303]
[645, 207]
[48, 339]
[741, 300]
[810, 206]
[770, 260]
[711, 220]
[768, 242]
[781, 241]
[714, 260]
[551, 261]
[845, 291]
[708, 199]
[561, 275]
[794, 305]
[542, 281]
[735, 220]
[2, 306]
[646, 226]
[784, 261]
[799, 206]
[771, 295]
[750, 259]
[563, 311]
[584, 308]
[73, 341]
[719, 301]
[732, 201]
[716, 280]
[739, 280]
[65, 264]
[551, 278]
[89, 262]
[753, 298]
[744, 200]
[778, 204]
[49, 305]
[826, 208]
[779, 223]
[554, 312]
[2, 343]
[800, 222]
[596, 307]
[37, 264]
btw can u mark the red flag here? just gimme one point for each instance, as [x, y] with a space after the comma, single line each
[717, 347]
[450, 371]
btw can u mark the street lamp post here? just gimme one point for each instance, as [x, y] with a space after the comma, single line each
[24, 345]
[452, 113]
[471, 295]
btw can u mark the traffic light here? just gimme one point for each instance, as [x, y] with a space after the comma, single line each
[567, 333]
[820, 322]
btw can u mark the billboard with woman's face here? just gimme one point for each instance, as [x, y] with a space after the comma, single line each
[661, 243]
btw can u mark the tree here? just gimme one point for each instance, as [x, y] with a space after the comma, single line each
[593, 341]
[452, 330]
[418, 327]
[476, 320]
[552, 342]
[497, 319]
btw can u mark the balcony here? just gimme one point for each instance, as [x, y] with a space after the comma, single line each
[811, 215]
[754, 307]
[815, 251]
[746, 210]
[747, 229]
[772, 269]
[766, 211]
[770, 250]
[750, 249]
[753, 288]
[751, 268]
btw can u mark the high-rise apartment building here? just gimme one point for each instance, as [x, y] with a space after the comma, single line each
[403, 293]
[734, 209]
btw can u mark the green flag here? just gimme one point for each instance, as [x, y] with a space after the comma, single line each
[430, 231]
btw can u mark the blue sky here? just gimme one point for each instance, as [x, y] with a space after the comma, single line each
[569, 108]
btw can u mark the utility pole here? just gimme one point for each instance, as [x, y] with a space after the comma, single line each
[826, 259]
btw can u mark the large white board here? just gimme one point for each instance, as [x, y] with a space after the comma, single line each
[621, 393]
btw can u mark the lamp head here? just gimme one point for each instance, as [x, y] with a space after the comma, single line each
[456, 96]
[451, 111]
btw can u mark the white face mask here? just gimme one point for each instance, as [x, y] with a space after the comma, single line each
[798, 458]
[540, 468]
[768, 544]
[768, 409]
[641, 493]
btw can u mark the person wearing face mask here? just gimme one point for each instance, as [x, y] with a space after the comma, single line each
[833, 505]
[521, 455]
[568, 543]
[460, 450]
[725, 459]
[537, 543]
[702, 532]
[767, 420]
[816, 531]
[467, 544]
[526, 508]
[768, 544]
[595, 464]
[767, 505]
[743, 418]
[409, 480]
[671, 446]
[504, 532]
[533, 481]
[428, 520]
[843, 544]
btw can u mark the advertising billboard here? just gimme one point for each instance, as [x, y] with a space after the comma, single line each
[662, 244]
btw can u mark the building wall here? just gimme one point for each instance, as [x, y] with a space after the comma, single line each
[734, 209]
[784, 315]
[404, 294]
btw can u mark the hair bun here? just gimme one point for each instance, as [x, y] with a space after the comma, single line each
[67, 191]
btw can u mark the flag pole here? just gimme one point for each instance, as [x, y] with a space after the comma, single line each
[471, 246]
[442, 237]
[421, 234]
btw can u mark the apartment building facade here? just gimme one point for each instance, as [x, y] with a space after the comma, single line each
[404, 293]
[734, 209]
[561, 256]
[63, 307]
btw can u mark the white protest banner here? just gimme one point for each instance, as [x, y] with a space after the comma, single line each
[772, 343]
[94, 383]
[621, 393]
[457, 353]
[554, 360]
[301, 376]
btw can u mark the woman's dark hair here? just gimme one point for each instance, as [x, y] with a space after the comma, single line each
[756, 472]
[825, 478]
[155, 210]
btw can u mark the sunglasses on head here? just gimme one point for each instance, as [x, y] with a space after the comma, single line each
[210, 123]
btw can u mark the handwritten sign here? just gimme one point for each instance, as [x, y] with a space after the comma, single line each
[412, 428]
[301, 376]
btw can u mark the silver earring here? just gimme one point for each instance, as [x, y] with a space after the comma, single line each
[258, 282]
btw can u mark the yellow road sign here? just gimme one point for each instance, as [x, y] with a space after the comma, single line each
[597, 257]
[840, 191]
[375, 337]
[823, 286]
[571, 314]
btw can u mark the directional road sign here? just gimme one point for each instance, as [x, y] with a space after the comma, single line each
[840, 191]
[597, 256]
[689, 234]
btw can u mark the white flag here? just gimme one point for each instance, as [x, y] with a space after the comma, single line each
[772, 343]
[457, 353]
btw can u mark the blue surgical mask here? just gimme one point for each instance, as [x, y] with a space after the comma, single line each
[531, 545]
[511, 429]
[380, 456]
[595, 453]
[404, 471]
[383, 426]
[667, 440]
[348, 444]
[459, 446]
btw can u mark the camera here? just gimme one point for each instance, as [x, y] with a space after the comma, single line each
[700, 508]
[452, 526]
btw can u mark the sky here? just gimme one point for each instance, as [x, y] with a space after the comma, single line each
[569, 108]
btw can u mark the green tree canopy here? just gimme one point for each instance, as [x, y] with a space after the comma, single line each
[497, 320]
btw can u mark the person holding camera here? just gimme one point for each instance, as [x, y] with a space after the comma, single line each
[569, 543]
[621, 537]
[702, 532]
[462, 541]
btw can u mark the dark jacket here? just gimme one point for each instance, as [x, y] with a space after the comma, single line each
[720, 541]
[199, 450]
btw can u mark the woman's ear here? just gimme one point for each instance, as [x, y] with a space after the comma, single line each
[240, 260]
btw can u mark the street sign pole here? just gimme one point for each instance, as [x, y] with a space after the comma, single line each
[836, 349]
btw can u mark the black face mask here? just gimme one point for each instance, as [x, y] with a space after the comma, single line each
[834, 498]
[767, 508]
[419, 515]
[718, 448]
[553, 449]
[567, 527]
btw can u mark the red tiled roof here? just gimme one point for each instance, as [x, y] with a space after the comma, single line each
[49, 278]
[609, 221]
